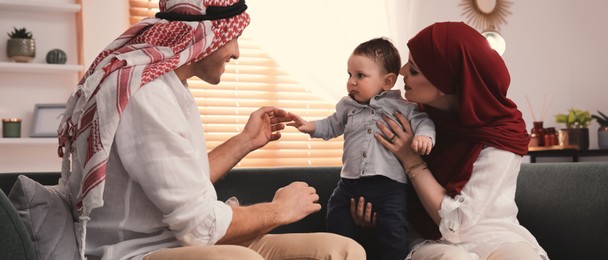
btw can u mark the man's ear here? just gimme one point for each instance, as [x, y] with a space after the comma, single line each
[389, 81]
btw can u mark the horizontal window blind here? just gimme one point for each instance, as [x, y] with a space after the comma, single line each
[253, 81]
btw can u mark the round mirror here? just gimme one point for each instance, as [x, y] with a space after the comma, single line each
[486, 14]
[485, 6]
[497, 42]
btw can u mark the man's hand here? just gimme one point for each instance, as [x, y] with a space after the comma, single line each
[290, 204]
[263, 126]
[295, 201]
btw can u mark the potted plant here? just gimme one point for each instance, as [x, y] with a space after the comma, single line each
[577, 126]
[602, 131]
[21, 46]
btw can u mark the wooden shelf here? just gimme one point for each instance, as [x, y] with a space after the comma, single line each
[552, 148]
[29, 141]
[572, 153]
[39, 67]
[43, 7]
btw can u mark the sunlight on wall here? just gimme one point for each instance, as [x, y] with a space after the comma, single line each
[314, 38]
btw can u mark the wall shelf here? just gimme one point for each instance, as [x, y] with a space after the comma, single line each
[33, 6]
[28, 141]
[39, 67]
[55, 24]
[573, 153]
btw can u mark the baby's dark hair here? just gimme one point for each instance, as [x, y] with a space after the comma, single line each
[383, 51]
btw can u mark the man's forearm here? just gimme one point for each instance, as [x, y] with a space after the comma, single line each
[227, 155]
[248, 223]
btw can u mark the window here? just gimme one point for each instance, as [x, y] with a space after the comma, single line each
[253, 81]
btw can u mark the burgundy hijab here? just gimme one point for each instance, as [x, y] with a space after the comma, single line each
[458, 60]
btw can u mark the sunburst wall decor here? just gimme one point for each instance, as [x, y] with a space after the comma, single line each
[486, 14]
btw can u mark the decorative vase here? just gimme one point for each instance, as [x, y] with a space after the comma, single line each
[580, 137]
[602, 137]
[56, 56]
[21, 50]
[537, 134]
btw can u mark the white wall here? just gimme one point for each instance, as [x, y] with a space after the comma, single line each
[103, 21]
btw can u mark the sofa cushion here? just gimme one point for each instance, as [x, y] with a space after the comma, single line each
[47, 218]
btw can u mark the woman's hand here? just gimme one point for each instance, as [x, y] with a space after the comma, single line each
[362, 213]
[401, 144]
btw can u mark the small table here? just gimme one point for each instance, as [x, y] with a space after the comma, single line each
[563, 151]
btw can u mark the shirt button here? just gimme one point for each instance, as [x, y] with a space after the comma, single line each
[364, 155]
[461, 199]
[369, 131]
[353, 111]
[373, 112]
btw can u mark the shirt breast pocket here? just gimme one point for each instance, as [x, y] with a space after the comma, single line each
[355, 119]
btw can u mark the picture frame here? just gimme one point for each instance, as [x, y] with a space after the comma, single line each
[46, 119]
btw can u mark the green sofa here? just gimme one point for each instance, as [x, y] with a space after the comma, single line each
[565, 205]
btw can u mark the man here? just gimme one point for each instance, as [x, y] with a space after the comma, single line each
[140, 177]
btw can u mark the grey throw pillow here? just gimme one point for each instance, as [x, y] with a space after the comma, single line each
[47, 218]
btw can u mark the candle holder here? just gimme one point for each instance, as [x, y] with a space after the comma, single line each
[11, 127]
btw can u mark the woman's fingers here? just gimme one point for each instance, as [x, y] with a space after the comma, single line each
[384, 129]
[407, 128]
[394, 127]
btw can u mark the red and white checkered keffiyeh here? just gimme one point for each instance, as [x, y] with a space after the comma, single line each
[144, 52]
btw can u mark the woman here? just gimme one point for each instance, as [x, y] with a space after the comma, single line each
[464, 202]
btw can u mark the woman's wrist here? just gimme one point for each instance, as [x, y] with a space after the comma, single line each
[412, 171]
[411, 161]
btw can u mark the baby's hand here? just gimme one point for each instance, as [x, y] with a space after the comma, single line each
[301, 124]
[422, 144]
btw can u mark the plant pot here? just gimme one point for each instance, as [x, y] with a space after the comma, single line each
[602, 137]
[21, 50]
[579, 137]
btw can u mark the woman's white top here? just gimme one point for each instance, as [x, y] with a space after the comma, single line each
[484, 215]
